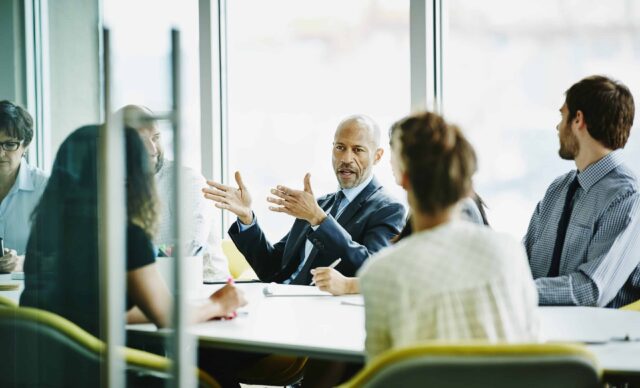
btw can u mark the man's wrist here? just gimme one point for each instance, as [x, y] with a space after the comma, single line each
[352, 286]
[318, 218]
[246, 219]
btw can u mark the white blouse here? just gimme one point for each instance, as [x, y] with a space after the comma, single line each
[455, 282]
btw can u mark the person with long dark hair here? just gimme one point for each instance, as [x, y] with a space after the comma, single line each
[62, 265]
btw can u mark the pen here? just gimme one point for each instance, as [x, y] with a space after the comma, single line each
[332, 265]
[232, 282]
[197, 251]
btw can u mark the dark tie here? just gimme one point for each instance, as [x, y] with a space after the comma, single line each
[336, 204]
[554, 270]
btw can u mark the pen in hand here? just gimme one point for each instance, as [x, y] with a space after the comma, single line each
[332, 265]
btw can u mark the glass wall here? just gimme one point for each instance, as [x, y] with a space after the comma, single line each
[294, 75]
[507, 65]
[141, 46]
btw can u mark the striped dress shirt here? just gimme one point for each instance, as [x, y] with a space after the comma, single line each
[603, 205]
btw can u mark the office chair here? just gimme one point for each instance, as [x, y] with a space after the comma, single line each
[481, 365]
[239, 268]
[635, 306]
[40, 348]
[7, 302]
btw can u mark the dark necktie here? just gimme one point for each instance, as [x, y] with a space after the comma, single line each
[554, 270]
[336, 204]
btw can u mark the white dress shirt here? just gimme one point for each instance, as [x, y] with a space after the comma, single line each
[458, 281]
[17, 206]
[200, 229]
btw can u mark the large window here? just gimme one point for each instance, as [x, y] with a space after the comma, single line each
[141, 49]
[507, 65]
[292, 76]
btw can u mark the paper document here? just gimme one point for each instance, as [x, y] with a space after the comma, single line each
[353, 302]
[9, 286]
[274, 289]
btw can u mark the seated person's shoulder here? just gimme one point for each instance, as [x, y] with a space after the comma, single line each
[560, 182]
[190, 174]
[496, 248]
[383, 199]
[38, 177]
[380, 263]
[621, 179]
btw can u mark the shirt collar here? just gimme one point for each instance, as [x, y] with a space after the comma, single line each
[596, 171]
[352, 193]
[24, 180]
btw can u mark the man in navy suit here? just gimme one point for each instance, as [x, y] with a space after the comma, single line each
[351, 224]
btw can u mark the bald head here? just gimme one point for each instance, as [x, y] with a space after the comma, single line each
[365, 124]
[356, 149]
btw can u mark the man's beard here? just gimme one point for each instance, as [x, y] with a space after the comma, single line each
[569, 146]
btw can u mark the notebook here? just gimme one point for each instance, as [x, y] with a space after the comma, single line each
[273, 289]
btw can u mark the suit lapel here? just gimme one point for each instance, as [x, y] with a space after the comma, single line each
[299, 233]
[344, 218]
[355, 205]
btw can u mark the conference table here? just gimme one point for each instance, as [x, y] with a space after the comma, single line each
[302, 321]
[306, 322]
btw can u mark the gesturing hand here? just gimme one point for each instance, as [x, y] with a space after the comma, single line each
[300, 204]
[237, 201]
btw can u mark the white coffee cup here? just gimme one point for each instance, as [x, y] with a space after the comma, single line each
[191, 274]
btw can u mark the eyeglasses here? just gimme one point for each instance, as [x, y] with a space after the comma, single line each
[10, 145]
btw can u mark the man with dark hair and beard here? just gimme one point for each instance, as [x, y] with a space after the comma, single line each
[201, 233]
[350, 224]
[584, 211]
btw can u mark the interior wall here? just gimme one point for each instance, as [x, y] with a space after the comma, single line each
[74, 48]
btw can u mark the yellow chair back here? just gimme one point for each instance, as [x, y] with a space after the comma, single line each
[478, 364]
[635, 306]
[47, 327]
[7, 302]
[238, 265]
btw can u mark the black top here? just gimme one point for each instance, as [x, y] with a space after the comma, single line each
[67, 283]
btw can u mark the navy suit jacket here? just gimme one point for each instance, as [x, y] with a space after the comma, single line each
[365, 226]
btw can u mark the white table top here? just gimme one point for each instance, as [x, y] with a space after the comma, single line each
[13, 295]
[326, 327]
[333, 328]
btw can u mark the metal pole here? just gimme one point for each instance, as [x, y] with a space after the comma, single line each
[183, 349]
[112, 219]
[213, 94]
[418, 54]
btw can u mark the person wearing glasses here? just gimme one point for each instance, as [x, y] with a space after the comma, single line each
[21, 184]
[62, 265]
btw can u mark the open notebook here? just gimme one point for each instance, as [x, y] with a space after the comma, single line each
[273, 289]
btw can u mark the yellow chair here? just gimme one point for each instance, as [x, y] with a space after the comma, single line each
[41, 348]
[238, 265]
[481, 365]
[7, 302]
[635, 306]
